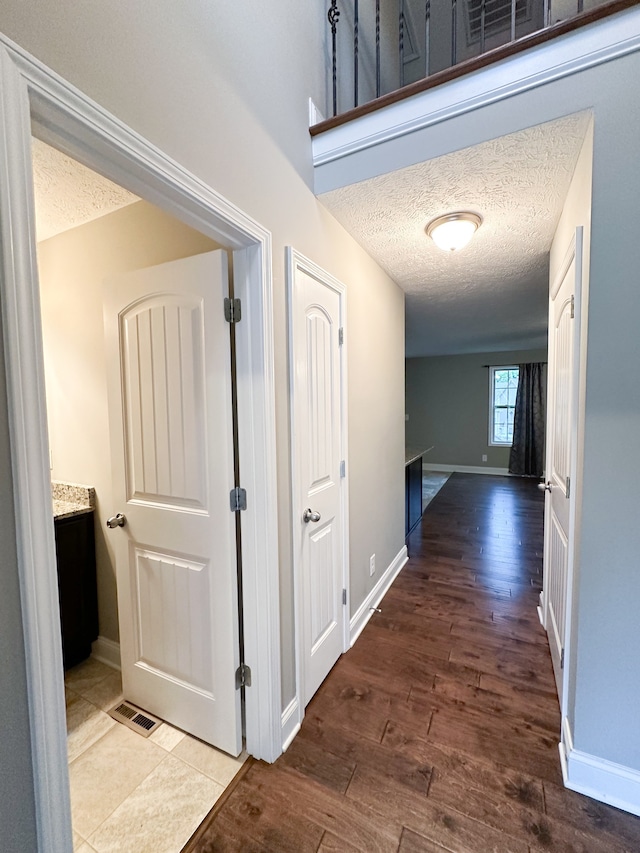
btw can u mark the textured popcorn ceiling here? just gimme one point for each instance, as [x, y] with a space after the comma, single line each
[68, 194]
[492, 295]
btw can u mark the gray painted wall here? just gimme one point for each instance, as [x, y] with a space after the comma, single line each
[608, 655]
[16, 788]
[447, 400]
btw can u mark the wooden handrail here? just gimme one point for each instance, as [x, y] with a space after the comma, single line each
[475, 64]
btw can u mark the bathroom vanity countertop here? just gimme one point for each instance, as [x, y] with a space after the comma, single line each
[70, 499]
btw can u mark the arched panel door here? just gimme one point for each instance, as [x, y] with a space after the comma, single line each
[172, 457]
[319, 484]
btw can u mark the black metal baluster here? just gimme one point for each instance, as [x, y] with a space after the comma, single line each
[580, 6]
[356, 35]
[401, 41]
[377, 48]
[483, 11]
[427, 36]
[454, 33]
[333, 14]
[513, 20]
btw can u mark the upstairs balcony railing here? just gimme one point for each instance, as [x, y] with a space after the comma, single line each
[380, 47]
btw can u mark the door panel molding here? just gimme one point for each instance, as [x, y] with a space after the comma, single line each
[298, 263]
[67, 119]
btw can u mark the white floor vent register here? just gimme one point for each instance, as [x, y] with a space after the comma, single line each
[135, 719]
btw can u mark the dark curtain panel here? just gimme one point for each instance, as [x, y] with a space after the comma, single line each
[527, 450]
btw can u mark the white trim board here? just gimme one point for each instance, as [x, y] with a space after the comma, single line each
[106, 651]
[598, 778]
[365, 611]
[466, 469]
[33, 96]
[291, 722]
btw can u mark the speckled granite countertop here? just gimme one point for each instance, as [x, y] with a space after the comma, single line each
[70, 499]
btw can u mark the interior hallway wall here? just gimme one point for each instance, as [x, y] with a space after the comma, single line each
[224, 90]
[72, 268]
[608, 661]
[448, 406]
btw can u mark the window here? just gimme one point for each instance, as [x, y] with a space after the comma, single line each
[503, 388]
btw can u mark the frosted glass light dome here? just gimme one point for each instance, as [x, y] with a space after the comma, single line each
[453, 231]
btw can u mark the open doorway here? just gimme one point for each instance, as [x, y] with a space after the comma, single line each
[90, 230]
[40, 102]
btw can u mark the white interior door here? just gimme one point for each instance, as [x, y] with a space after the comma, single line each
[172, 457]
[564, 350]
[319, 484]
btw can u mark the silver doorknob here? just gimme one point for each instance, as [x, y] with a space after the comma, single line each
[545, 487]
[310, 515]
[116, 521]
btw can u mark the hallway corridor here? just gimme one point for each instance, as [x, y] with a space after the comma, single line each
[438, 731]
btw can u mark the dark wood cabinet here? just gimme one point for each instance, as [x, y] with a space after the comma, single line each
[77, 589]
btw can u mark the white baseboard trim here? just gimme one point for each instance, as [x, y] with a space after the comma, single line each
[106, 651]
[466, 469]
[598, 778]
[363, 613]
[291, 722]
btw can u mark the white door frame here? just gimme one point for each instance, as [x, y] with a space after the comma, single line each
[293, 714]
[574, 252]
[67, 119]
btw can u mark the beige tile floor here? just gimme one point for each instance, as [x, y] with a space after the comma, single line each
[129, 792]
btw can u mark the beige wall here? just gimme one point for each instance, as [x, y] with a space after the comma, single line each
[448, 406]
[72, 269]
[225, 92]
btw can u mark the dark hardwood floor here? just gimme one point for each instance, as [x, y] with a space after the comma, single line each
[439, 730]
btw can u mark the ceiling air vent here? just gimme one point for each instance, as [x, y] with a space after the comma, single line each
[134, 718]
[497, 17]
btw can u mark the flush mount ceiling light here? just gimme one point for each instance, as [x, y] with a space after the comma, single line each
[453, 231]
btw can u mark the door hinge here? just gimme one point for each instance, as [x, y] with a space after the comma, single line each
[562, 659]
[568, 491]
[340, 336]
[232, 310]
[573, 307]
[243, 676]
[343, 468]
[237, 499]
[344, 596]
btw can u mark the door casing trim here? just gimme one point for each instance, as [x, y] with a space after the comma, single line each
[33, 95]
[574, 253]
[296, 261]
